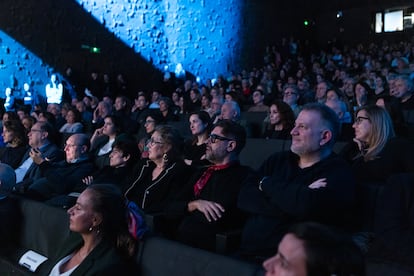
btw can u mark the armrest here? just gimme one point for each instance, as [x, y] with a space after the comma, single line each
[228, 241]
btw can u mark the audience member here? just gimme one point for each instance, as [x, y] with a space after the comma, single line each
[307, 183]
[258, 105]
[103, 138]
[100, 243]
[311, 249]
[73, 122]
[122, 158]
[14, 136]
[195, 148]
[157, 180]
[40, 140]
[281, 121]
[291, 97]
[212, 202]
[62, 178]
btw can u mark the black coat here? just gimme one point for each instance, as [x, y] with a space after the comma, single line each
[285, 199]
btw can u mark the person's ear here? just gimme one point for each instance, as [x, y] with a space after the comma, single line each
[127, 157]
[97, 219]
[326, 137]
[231, 146]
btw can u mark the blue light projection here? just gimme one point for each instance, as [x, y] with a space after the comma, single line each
[19, 66]
[201, 35]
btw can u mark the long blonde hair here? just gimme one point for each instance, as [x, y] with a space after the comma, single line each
[382, 130]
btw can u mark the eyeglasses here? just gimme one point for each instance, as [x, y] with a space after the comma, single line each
[149, 121]
[153, 142]
[36, 130]
[290, 93]
[71, 145]
[359, 119]
[214, 137]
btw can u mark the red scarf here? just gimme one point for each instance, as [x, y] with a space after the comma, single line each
[206, 176]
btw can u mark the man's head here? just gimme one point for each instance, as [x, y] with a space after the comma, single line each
[403, 87]
[291, 94]
[315, 132]
[225, 142]
[258, 96]
[321, 89]
[311, 249]
[7, 180]
[230, 111]
[76, 147]
[120, 103]
[338, 106]
[141, 101]
[40, 134]
[216, 104]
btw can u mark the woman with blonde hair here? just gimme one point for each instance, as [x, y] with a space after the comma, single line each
[376, 153]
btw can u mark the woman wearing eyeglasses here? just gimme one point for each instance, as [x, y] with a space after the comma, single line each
[157, 180]
[375, 154]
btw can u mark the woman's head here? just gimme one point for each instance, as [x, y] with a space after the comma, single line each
[14, 133]
[112, 126]
[99, 210]
[10, 116]
[73, 116]
[373, 127]
[281, 114]
[165, 143]
[199, 122]
[151, 121]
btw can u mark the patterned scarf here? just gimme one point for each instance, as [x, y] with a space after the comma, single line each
[199, 185]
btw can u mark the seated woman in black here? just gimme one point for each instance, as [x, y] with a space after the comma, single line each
[123, 156]
[375, 153]
[281, 121]
[157, 180]
[101, 243]
[195, 148]
[14, 136]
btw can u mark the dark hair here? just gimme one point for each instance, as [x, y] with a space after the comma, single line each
[329, 118]
[235, 131]
[127, 147]
[52, 134]
[117, 121]
[205, 119]
[18, 130]
[287, 117]
[108, 201]
[329, 251]
[12, 115]
[49, 117]
[172, 136]
[76, 113]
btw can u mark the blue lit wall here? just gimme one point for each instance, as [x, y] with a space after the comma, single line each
[18, 65]
[202, 35]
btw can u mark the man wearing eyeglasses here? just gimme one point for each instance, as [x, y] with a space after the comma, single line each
[212, 199]
[40, 140]
[307, 183]
[64, 177]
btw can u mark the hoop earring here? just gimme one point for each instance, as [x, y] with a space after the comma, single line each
[165, 158]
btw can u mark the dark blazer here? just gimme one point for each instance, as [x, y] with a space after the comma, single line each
[50, 152]
[157, 195]
[104, 259]
[60, 178]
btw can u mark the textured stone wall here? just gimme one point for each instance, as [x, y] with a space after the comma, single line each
[204, 36]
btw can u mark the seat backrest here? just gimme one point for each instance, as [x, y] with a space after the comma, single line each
[164, 257]
[44, 228]
[257, 150]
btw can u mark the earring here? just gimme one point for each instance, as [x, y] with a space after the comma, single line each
[165, 158]
[90, 229]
